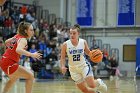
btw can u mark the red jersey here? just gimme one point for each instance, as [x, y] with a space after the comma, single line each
[11, 49]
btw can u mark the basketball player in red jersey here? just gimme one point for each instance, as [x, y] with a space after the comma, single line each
[16, 46]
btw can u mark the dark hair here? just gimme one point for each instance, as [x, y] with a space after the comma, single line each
[76, 26]
[22, 27]
[1, 41]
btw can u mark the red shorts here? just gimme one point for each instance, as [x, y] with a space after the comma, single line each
[8, 66]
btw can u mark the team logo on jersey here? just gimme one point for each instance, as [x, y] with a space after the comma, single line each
[75, 51]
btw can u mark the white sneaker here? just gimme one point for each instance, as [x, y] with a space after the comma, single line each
[111, 78]
[101, 87]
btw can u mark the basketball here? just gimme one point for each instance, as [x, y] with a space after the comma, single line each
[96, 56]
[2, 2]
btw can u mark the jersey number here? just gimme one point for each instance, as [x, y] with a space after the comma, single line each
[76, 57]
[11, 43]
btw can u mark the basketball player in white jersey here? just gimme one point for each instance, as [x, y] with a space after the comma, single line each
[80, 70]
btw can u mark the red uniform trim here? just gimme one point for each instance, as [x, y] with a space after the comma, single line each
[8, 66]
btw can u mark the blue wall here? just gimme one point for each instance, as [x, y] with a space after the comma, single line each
[138, 57]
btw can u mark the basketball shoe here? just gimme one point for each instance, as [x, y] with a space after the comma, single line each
[101, 86]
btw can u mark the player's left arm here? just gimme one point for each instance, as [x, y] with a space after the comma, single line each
[87, 50]
[21, 44]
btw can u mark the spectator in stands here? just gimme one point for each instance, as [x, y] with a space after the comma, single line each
[42, 47]
[52, 43]
[8, 25]
[6, 13]
[52, 57]
[15, 15]
[2, 47]
[2, 18]
[66, 34]
[52, 31]
[105, 56]
[27, 64]
[59, 34]
[43, 37]
[29, 18]
[33, 40]
[8, 22]
[33, 50]
[94, 44]
[48, 50]
[40, 26]
[114, 71]
[35, 24]
[24, 10]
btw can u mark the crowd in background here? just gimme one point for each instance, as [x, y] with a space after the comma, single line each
[47, 40]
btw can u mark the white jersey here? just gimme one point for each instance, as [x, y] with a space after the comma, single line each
[76, 53]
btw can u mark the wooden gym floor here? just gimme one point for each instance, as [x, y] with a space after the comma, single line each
[67, 86]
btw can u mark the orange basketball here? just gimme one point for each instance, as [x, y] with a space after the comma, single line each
[2, 2]
[96, 56]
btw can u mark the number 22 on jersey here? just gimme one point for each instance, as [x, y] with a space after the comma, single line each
[76, 57]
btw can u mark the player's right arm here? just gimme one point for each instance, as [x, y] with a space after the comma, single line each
[20, 49]
[62, 59]
[87, 50]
